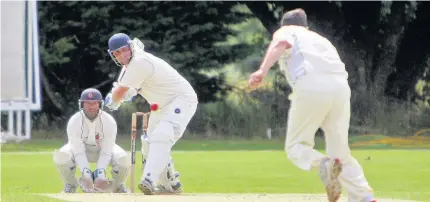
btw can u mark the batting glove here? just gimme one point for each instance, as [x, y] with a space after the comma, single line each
[109, 103]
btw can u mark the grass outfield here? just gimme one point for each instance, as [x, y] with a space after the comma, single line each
[400, 174]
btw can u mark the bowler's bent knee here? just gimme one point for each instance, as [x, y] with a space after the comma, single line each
[304, 156]
[294, 153]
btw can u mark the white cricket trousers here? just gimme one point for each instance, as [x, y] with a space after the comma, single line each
[93, 155]
[323, 101]
[178, 114]
[165, 127]
[65, 162]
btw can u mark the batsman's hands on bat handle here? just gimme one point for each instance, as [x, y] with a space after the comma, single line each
[129, 95]
[115, 84]
[255, 79]
[101, 182]
[109, 103]
[86, 181]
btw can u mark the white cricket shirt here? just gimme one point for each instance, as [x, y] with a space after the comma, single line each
[96, 136]
[158, 82]
[310, 53]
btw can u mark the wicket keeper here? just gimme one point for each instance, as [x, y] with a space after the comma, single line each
[91, 136]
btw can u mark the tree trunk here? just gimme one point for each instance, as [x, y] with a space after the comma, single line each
[49, 91]
[387, 46]
[413, 54]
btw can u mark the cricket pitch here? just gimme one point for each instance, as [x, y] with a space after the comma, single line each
[202, 198]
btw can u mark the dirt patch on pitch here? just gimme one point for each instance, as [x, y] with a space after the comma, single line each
[201, 198]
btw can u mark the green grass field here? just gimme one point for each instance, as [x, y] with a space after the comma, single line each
[217, 166]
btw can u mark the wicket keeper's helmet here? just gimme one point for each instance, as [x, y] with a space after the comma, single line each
[116, 42]
[91, 94]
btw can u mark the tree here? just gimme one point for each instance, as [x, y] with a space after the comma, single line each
[387, 36]
[74, 46]
[412, 57]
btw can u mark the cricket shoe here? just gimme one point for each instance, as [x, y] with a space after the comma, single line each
[146, 187]
[174, 187]
[329, 174]
[68, 188]
[122, 189]
[368, 199]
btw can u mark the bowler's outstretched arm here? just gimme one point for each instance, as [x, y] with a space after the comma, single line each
[273, 53]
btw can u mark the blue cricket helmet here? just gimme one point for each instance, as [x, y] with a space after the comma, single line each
[116, 42]
[91, 94]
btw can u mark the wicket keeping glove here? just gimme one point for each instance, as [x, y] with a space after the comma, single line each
[86, 181]
[101, 182]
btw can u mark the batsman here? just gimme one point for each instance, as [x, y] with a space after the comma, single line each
[91, 136]
[159, 83]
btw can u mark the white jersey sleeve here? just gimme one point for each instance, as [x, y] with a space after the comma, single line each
[108, 142]
[310, 53]
[136, 73]
[156, 80]
[285, 34]
[75, 140]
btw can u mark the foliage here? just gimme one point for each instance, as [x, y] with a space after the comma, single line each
[215, 45]
[423, 86]
[73, 46]
[382, 55]
[392, 56]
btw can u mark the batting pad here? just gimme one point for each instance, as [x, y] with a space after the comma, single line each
[168, 178]
[145, 146]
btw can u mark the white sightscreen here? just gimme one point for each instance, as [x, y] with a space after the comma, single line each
[13, 52]
[20, 69]
[20, 62]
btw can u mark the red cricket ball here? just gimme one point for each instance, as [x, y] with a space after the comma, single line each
[154, 107]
